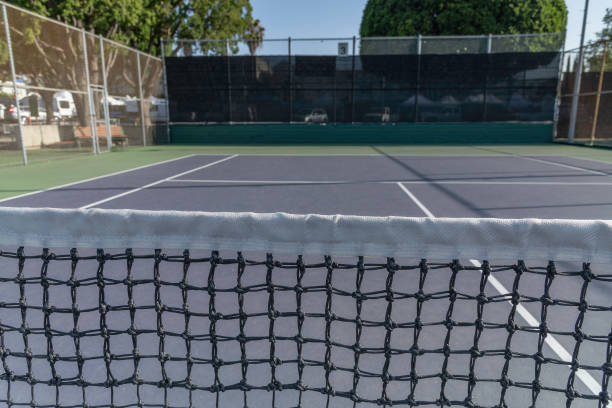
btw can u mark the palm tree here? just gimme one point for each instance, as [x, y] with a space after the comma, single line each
[254, 35]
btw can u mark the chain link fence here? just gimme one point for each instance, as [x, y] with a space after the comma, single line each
[65, 91]
[593, 121]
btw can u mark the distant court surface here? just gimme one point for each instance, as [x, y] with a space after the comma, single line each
[428, 182]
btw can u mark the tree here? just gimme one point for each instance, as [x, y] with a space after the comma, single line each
[383, 18]
[254, 36]
[594, 50]
[142, 23]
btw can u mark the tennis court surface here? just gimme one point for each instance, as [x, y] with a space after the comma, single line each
[250, 327]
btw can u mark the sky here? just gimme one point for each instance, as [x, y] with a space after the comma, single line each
[341, 18]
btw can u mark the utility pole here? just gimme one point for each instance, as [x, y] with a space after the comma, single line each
[578, 77]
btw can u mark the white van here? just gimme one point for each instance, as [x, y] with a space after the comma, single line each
[63, 106]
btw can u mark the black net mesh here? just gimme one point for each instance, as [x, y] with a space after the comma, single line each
[133, 328]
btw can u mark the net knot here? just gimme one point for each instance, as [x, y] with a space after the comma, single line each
[468, 403]
[583, 306]
[547, 300]
[383, 402]
[449, 323]
[299, 339]
[482, 299]
[275, 385]
[357, 348]
[604, 397]
[479, 324]
[508, 354]
[329, 366]
[217, 363]
[103, 308]
[73, 283]
[301, 386]
[505, 382]
[607, 369]
[390, 325]
[165, 383]
[55, 380]
[578, 335]
[243, 386]
[475, 352]
[420, 295]
[586, 274]
[4, 352]
[539, 357]
[416, 351]
[570, 393]
[359, 296]
[52, 357]
[516, 298]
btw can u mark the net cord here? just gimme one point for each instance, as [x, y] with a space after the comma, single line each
[448, 238]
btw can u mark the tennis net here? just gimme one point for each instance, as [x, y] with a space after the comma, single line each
[241, 309]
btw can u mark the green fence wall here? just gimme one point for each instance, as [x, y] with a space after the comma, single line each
[362, 133]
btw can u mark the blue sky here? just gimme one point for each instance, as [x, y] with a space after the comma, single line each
[341, 18]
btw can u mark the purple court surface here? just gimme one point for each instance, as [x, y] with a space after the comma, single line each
[412, 186]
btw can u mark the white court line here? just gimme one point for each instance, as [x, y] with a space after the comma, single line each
[567, 166]
[94, 178]
[448, 181]
[556, 347]
[416, 201]
[156, 183]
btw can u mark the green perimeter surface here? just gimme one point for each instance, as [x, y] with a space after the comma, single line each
[366, 133]
[18, 180]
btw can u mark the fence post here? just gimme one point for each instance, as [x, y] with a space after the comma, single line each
[92, 112]
[486, 78]
[163, 54]
[558, 96]
[109, 139]
[418, 78]
[577, 78]
[290, 82]
[142, 117]
[229, 81]
[353, 83]
[24, 153]
[599, 87]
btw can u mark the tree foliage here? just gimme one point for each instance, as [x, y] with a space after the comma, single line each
[382, 18]
[141, 23]
[594, 51]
